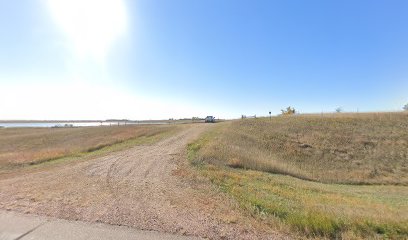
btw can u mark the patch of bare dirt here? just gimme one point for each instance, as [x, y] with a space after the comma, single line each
[148, 187]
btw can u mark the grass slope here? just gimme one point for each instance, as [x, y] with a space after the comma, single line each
[312, 208]
[336, 148]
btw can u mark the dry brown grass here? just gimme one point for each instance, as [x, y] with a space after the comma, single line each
[328, 149]
[366, 148]
[20, 146]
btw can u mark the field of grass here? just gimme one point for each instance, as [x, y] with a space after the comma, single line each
[311, 172]
[369, 148]
[28, 146]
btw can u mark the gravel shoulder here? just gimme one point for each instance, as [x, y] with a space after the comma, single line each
[148, 187]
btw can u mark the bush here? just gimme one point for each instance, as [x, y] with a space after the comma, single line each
[289, 111]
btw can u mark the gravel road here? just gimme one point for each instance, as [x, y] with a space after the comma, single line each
[148, 187]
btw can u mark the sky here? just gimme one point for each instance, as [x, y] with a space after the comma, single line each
[160, 59]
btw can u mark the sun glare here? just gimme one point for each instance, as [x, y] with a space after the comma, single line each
[91, 26]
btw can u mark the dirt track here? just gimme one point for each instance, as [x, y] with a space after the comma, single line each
[148, 187]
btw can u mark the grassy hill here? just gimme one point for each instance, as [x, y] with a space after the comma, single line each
[369, 148]
[335, 176]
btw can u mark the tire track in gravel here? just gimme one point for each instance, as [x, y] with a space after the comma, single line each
[148, 187]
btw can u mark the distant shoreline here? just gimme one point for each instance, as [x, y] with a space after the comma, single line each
[88, 123]
[85, 121]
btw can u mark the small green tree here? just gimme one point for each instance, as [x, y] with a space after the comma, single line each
[405, 107]
[339, 110]
[289, 111]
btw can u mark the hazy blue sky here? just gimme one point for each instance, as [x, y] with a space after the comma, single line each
[145, 59]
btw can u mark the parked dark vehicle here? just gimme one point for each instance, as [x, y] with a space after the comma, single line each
[210, 119]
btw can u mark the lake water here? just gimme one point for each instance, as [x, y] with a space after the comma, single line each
[62, 124]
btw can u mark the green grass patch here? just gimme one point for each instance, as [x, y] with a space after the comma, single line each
[317, 209]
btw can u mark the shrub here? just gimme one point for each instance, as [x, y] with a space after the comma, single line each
[288, 111]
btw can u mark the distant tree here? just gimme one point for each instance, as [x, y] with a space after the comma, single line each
[288, 111]
[406, 107]
[339, 110]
